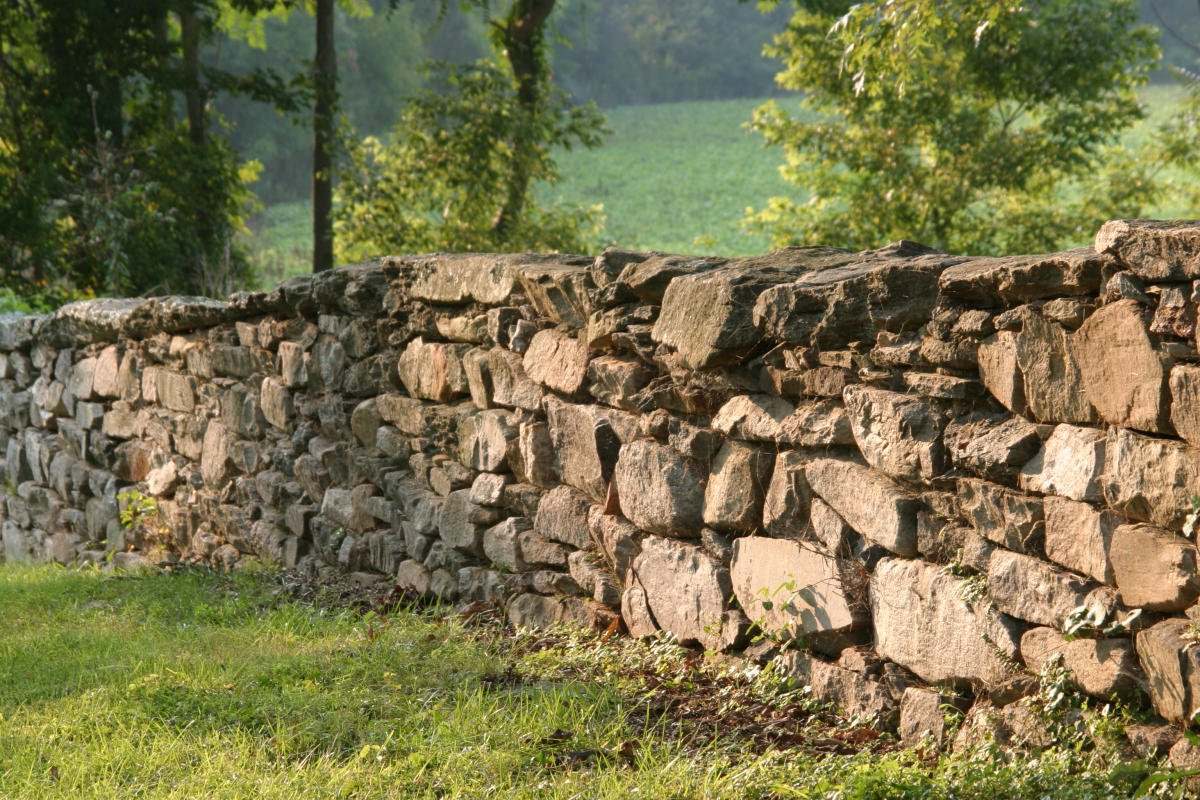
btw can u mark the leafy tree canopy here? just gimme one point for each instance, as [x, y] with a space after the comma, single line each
[972, 125]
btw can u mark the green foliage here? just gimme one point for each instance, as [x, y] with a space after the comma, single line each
[973, 126]
[136, 508]
[441, 180]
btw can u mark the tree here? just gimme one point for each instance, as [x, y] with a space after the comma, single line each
[974, 126]
[324, 122]
[460, 170]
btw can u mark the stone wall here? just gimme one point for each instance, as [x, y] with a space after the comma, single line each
[911, 467]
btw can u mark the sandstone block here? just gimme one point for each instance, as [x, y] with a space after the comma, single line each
[1155, 250]
[659, 490]
[993, 450]
[1185, 402]
[615, 381]
[1000, 371]
[214, 459]
[792, 589]
[1030, 589]
[433, 371]
[1171, 663]
[587, 440]
[1150, 479]
[106, 377]
[1070, 464]
[873, 505]
[511, 387]
[276, 403]
[923, 623]
[173, 390]
[786, 504]
[898, 435]
[921, 717]
[1051, 372]
[1079, 536]
[1001, 515]
[737, 484]
[562, 516]
[618, 540]
[667, 570]
[485, 439]
[1124, 371]
[533, 459]
[1016, 279]
[1154, 569]
[1102, 667]
[557, 361]
[764, 418]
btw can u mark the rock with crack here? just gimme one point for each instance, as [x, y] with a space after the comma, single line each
[668, 571]
[899, 435]
[873, 505]
[660, 491]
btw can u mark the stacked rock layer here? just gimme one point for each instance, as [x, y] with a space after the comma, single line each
[906, 468]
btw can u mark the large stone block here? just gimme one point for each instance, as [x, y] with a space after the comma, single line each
[587, 440]
[1030, 589]
[1001, 515]
[789, 497]
[1150, 479]
[792, 589]
[873, 505]
[1154, 569]
[485, 439]
[616, 381]
[766, 418]
[666, 571]
[1050, 372]
[1069, 464]
[1153, 249]
[276, 403]
[737, 484]
[995, 450]
[433, 370]
[923, 622]
[1008, 280]
[1185, 402]
[1079, 535]
[557, 361]
[660, 491]
[1000, 371]
[562, 516]
[1123, 369]
[1103, 668]
[898, 434]
[1171, 662]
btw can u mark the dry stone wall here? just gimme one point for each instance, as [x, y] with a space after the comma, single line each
[908, 469]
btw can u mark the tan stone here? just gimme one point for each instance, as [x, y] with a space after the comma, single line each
[1124, 371]
[737, 484]
[433, 370]
[1150, 479]
[1028, 588]
[1185, 402]
[659, 490]
[1154, 249]
[1154, 569]
[999, 371]
[873, 505]
[668, 570]
[898, 435]
[1051, 372]
[786, 505]
[1069, 464]
[1102, 667]
[1171, 662]
[1079, 535]
[557, 361]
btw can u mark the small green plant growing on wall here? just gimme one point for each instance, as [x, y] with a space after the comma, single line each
[141, 515]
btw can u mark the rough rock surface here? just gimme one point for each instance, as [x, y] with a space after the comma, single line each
[686, 590]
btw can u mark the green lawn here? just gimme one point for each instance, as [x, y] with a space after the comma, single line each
[202, 686]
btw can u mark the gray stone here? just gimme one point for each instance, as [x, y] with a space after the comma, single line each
[873, 505]
[587, 440]
[899, 435]
[993, 450]
[562, 516]
[923, 622]
[788, 498]
[667, 570]
[764, 418]
[660, 491]
[1030, 589]
[433, 370]
[792, 589]
[485, 439]
[502, 544]
[922, 718]
[1070, 464]
[1001, 515]
[737, 484]
[557, 361]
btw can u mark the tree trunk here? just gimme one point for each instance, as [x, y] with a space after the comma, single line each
[325, 80]
[193, 91]
[523, 36]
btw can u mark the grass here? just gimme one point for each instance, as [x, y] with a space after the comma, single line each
[199, 685]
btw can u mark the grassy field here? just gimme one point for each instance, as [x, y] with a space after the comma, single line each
[676, 177]
[198, 685]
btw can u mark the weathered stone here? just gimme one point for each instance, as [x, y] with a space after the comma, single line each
[587, 440]
[792, 589]
[1079, 536]
[533, 459]
[1050, 372]
[618, 540]
[923, 623]
[848, 691]
[502, 544]
[511, 387]
[433, 371]
[174, 391]
[365, 422]
[1185, 402]
[788, 498]
[764, 418]
[1171, 663]
[1150, 479]
[1123, 370]
[559, 291]
[276, 403]
[1018, 279]
[667, 570]
[737, 484]
[557, 361]
[461, 522]
[922, 718]
[873, 505]
[1155, 250]
[898, 435]
[1102, 667]
[1030, 589]
[1154, 569]
[1069, 464]
[214, 460]
[660, 491]
[616, 381]
[992, 450]
[1175, 314]
[1001, 515]
[484, 440]
[562, 516]
[1000, 371]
